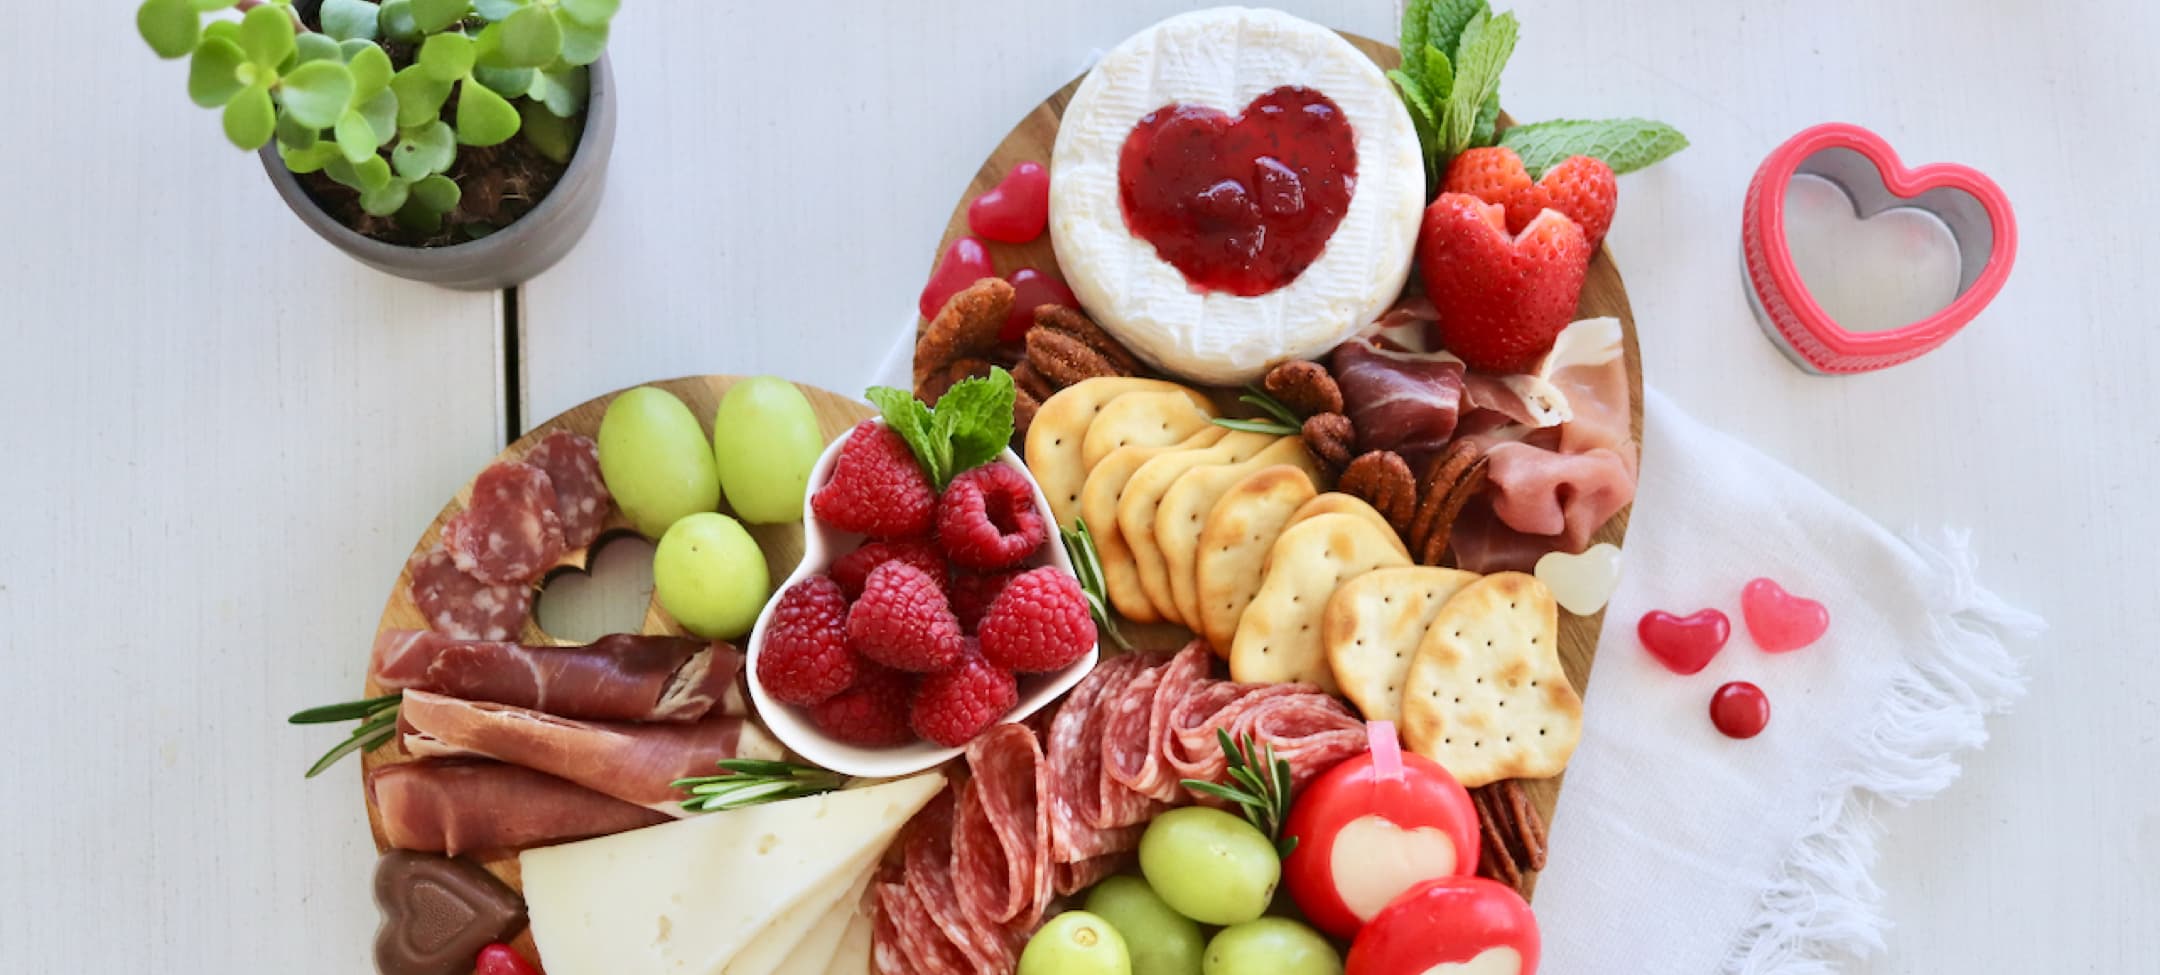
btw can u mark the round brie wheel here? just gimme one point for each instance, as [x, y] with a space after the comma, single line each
[1222, 59]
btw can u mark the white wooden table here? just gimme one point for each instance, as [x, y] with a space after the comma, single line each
[221, 436]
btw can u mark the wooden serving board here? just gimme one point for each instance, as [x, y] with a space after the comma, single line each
[1602, 294]
[783, 546]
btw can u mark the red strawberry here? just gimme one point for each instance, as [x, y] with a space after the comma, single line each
[988, 520]
[953, 707]
[903, 621]
[805, 658]
[851, 569]
[873, 712]
[1040, 622]
[877, 488]
[1502, 301]
[1581, 188]
[972, 593]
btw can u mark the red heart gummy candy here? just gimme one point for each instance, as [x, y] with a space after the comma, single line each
[1780, 621]
[1016, 210]
[1030, 289]
[1684, 644]
[965, 262]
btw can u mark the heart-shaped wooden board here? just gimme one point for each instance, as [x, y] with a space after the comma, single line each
[783, 546]
[1602, 294]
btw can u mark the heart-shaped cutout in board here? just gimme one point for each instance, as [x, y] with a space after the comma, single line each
[611, 593]
[1967, 206]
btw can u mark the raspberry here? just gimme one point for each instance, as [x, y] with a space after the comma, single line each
[851, 569]
[805, 658]
[903, 621]
[953, 707]
[988, 520]
[877, 488]
[873, 712]
[972, 593]
[1040, 622]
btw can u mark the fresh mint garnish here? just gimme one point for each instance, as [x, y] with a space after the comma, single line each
[970, 425]
[1625, 144]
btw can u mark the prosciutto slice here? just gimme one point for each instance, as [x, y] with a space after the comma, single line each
[631, 762]
[625, 677]
[452, 806]
[1398, 400]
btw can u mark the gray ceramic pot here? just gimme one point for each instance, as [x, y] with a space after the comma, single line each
[506, 258]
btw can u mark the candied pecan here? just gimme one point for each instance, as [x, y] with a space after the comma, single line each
[1382, 479]
[1524, 823]
[1439, 500]
[1072, 322]
[1513, 832]
[966, 328]
[1330, 438]
[1304, 387]
[1028, 381]
[1433, 551]
[1024, 406]
[930, 387]
[1495, 861]
[1064, 360]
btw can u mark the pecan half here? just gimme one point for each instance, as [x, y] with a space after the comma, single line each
[1450, 481]
[1072, 322]
[1304, 387]
[1382, 479]
[1512, 831]
[929, 388]
[966, 328]
[1330, 438]
[1024, 406]
[1064, 360]
[1031, 382]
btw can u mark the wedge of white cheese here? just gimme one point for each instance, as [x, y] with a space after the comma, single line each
[694, 896]
[854, 955]
[822, 943]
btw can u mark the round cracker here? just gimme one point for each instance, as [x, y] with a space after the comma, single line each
[1239, 531]
[1098, 507]
[1055, 438]
[1145, 419]
[1486, 696]
[1372, 628]
[1184, 511]
[1338, 503]
[1278, 638]
[1142, 500]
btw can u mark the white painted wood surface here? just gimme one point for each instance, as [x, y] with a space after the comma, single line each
[222, 436]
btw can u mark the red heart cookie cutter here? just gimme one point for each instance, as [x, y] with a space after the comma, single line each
[1860, 162]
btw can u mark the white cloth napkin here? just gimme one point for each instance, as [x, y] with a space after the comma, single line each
[1676, 850]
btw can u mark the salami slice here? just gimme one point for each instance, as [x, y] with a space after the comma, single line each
[1312, 731]
[905, 941]
[1075, 757]
[930, 879]
[508, 533]
[1125, 746]
[1152, 775]
[582, 501]
[1001, 831]
[1073, 878]
[459, 606]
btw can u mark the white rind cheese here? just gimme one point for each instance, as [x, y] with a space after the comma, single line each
[1223, 58]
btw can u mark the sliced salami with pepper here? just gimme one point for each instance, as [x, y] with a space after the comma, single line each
[1001, 832]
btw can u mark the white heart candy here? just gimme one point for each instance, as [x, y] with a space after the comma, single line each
[1582, 583]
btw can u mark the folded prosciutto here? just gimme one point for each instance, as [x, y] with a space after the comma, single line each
[1398, 400]
[631, 762]
[456, 805]
[625, 677]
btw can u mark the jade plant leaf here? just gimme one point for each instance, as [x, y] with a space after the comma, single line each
[497, 10]
[311, 159]
[249, 117]
[224, 29]
[371, 73]
[386, 199]
[355, 138]
[266, 34]
[317, 47]
[446, 57]
[170, 27]
[293, 134]
[483, 117]
[582, 43]
[563, 92]
[350, 19]
[214, 72]
[508, 82]
[592, 12]
[317, 93]
[433, 16]
[425, 150]
[396, 20]
[213, 6]
[548, 132]
[420, 97]
[437, 193]
[374, 173]
[381, 115]
[531, 38]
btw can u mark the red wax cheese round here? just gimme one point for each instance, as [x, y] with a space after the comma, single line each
[1449, 926]
[1372, 827]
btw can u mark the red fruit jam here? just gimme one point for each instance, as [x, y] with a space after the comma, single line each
[1016, 210]
[1031, 288]
[965, 262]
[1241, 204]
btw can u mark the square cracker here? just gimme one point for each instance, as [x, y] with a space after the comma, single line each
[1098, 507]
[1486, 697]
[1142, 499]
[1145, 419]
[1278, 638]
[1055, 438]
[1239, 531]
[1373, 625]
[1184, 511]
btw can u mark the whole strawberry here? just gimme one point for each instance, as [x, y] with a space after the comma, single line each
[903, 621]
[972, 593]
[805, 658]
[1502, 300]
[877, 488]
[872, 712]
[988, 520]
[1039, 622]
[951, 708]
[852, 569]
[1581, 188]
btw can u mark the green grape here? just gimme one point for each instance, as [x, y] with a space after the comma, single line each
[1271, 946]
[1209, 865]
[765, 440]
[655, 460]
[1162, 941]
[710, 575]
[1076, 943]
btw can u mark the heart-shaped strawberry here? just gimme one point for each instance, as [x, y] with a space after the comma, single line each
[1016, 210]
[1239, 203]
[1778, 620]
[1502, 300]
[1581, 188]
[1684, 644]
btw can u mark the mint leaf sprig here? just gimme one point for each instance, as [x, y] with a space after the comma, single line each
[970, 425]
[1625, 144]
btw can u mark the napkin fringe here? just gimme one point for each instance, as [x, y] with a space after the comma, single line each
[1824, 902]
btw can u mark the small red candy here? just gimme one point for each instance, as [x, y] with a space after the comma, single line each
[965, 262]
[1017, 209]
[1684, 644]
[1780, 621]
[1032, 288]
[1740, 710]
[501, 959]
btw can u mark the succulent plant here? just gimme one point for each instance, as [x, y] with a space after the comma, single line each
[381, 96]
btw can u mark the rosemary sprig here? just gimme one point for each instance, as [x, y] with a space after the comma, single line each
[1279, 421]
[749, 781]
[1088, 566]
[378, 724]
[1259, 786]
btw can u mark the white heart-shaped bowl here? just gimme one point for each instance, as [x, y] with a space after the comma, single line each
[792, 725]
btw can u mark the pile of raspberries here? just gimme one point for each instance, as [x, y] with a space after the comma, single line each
[921, 631]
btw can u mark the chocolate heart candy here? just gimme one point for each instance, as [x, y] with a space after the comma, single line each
[438, 912]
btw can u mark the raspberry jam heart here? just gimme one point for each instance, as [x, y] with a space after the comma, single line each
[1780, 621]
[1684, 644]
[1240, 204]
